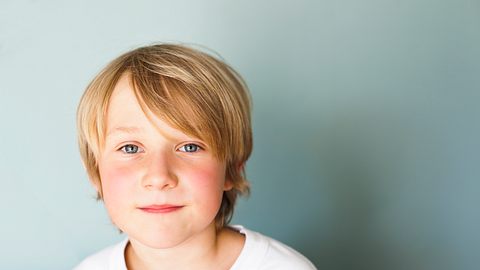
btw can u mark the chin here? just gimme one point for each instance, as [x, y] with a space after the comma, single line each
[162, 241]
[168, 236]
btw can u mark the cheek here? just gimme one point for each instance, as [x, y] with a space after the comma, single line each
[115, 183]
[206, 176]
[207, 185]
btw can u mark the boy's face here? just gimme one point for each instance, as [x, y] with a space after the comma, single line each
[160, 186]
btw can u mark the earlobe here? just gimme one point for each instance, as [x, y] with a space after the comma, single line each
[228, 185]
[96, 184]
[240, 167]
[92, 182]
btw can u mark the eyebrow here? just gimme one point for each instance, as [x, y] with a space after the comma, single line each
[129, 130]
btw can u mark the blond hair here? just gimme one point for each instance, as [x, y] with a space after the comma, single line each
[191, 90]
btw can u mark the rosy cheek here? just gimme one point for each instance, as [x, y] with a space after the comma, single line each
[200, 174]
[208, 179]
[116, 180]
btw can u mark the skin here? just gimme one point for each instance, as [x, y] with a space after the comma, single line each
[147, 162]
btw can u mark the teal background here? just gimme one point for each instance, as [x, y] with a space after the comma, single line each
[366, 124]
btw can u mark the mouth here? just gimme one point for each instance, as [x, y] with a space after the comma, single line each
[160, 209]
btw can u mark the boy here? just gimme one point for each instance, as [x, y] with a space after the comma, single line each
[164, 133]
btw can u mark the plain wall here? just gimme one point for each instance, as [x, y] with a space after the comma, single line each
[366, 124]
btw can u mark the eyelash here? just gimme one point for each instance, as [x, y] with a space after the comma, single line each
[138, 149]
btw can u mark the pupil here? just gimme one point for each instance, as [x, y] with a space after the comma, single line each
[191, 147]
[130, 148]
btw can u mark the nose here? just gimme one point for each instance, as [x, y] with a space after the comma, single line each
[159, 173]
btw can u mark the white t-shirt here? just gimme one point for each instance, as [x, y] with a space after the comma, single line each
[259, 252]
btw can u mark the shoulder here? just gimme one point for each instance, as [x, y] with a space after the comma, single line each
[108, 258]
[263, 252]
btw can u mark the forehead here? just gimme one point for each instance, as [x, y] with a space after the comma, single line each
[126, 115]
[123, 106]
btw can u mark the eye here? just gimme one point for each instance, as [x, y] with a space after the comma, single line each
[130, 149]
[190, 148]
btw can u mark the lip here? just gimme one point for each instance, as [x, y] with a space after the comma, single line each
[160, 208]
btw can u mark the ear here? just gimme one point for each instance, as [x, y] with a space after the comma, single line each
[228, 185]
[95, 184]
[240, 167]
[97, 187]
